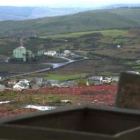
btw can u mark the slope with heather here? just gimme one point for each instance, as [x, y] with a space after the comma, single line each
[102, 95]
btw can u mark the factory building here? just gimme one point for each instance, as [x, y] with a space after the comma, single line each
[21, 54]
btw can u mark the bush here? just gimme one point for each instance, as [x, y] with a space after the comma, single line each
[92, 84]
[82, 83]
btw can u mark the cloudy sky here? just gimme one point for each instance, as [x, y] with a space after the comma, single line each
[65, 3]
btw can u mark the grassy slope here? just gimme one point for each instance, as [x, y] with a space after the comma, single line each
[85, 21]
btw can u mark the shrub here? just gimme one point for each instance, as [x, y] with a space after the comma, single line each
[81, 82]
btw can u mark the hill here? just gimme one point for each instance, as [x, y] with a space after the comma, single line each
[122, 5]
[24, 13]
[93, 20]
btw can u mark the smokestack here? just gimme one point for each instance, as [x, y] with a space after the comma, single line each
[21, 42]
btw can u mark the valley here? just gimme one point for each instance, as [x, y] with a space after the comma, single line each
[82, 56]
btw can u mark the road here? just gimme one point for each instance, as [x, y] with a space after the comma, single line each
[54, 66]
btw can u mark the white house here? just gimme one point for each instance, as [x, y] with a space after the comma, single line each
[20, 86]
[67, 51]
[119, 46]
[23, 84]
[50, 53]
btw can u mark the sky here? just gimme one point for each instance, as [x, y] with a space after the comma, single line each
[65, 3]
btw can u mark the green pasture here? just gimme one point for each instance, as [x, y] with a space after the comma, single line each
[65, 78]
[112, 33]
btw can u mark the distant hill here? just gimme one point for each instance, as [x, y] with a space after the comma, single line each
[22, 13]
[122, 6]
[92, 20]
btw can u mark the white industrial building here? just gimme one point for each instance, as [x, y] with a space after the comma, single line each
[50, 53]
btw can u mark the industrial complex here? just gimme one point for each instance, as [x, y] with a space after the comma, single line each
[21, 54]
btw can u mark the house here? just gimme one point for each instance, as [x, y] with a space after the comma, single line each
[96, 78]
[53, 83]
[115, 78]
[24, 80]
[67, 52]
[12, 82]
[21, 86]
[50, 53]
[107, 79]
[69, 84]
[36, 82]
[2, 87]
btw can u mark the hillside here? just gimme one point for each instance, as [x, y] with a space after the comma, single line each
[99, 46]
[24, 13]
[84, 21]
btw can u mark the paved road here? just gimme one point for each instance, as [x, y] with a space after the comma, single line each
[55, 66]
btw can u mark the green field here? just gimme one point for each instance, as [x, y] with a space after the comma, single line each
[62, 78]
[113, 33]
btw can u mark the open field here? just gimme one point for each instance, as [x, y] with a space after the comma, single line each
[62, 78]
[113, 33]
[17, 68]
[90, 67]
[9, 69]
[126, 52]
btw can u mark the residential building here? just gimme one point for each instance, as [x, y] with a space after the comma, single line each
[50, 53]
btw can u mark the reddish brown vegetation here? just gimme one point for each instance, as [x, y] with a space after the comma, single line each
[102, 95]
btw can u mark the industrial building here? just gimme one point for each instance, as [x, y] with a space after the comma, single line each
[21, 54]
